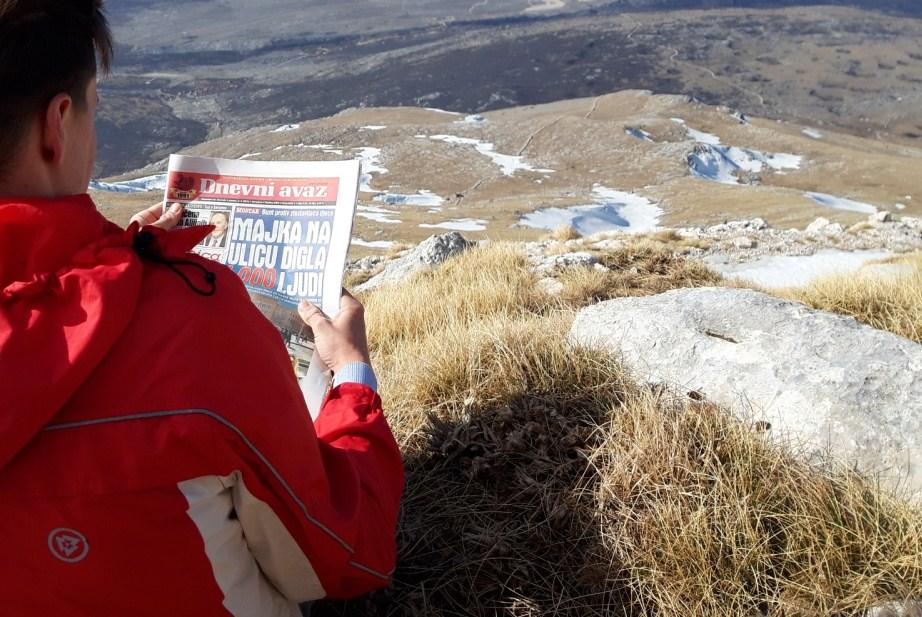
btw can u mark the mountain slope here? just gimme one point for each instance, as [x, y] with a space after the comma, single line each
[629, 160]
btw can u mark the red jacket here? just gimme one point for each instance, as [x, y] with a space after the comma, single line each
[156, 454]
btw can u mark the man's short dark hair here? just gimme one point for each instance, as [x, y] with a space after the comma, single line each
[47, 47]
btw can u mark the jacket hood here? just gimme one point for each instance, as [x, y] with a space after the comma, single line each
[69, 284]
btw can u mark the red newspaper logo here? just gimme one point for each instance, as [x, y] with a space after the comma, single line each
[189, 186]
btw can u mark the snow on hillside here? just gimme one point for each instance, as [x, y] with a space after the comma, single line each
[472, 119]
[710, 160]
[423, 198]
[638, 133]
[723, 164]
[507, 162]
[371, 164]
[779, 271]
[839, 203]
[138, 185]
[458, 225]
[373, 244]
[612, 211]
[379, 215]
[699, 136]
[812, 133]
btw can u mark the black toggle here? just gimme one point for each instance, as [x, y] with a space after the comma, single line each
[145, 245]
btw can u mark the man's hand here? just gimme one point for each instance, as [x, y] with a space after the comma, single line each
[158, 218]
[340, 340]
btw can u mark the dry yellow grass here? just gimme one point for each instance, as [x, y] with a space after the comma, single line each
[478, 283]
[674, 240]
[541, 481]
[564, 233]
[638, 269]
[354, 278]
[892, 303]
[708, 519]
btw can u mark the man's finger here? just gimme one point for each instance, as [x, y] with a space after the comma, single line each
[311, 315]
[170, 218]
[148, 215]
[348, 301]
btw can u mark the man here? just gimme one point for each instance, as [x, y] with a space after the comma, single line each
[156, 455]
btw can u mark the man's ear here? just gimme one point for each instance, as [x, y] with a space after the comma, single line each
[54, 135]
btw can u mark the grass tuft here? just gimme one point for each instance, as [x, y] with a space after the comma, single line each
[637, 269]
[892, 303]
[564, 233]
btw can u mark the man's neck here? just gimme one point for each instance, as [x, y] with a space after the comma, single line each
[27, 180]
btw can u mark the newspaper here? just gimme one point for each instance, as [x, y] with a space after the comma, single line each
[284, 228]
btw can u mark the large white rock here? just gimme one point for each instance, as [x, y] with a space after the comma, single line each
[430, 252]
[824, 380]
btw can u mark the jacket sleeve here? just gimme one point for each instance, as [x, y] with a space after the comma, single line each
[359, 451]
[330, 532]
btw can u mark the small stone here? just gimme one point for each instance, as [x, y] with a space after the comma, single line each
[744, 242]
[550, 286]
[567, 260]
[817, 226]
[608, 245]
[883, 216]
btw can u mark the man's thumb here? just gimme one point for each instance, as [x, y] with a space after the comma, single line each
[311, 315]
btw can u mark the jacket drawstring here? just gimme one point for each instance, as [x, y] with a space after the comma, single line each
[145, 245]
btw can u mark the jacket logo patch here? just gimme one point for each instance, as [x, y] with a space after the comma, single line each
[68, 545]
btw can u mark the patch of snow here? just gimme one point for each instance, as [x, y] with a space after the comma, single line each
[286, 127]
[839, 203]
[722, 163]
[739, 117]
[812, 133]
[423, 198]
[442, 111]
[612, 211]
[138, 185]
[371, 164]
[379, 215]
[701, 136]
[458, 225]
[250, 154]
[797, 270]
[507, 162]
[546, 5]
[473, 119]
[374, 127]
[900, 206]
[638, 133]
[373, 244]
[327, 148]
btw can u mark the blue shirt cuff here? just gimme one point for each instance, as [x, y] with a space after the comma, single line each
[356, 372]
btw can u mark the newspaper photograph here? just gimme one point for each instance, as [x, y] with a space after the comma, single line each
[284, 228]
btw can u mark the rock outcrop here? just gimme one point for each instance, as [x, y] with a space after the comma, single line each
[823, 380]
[430, 252]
